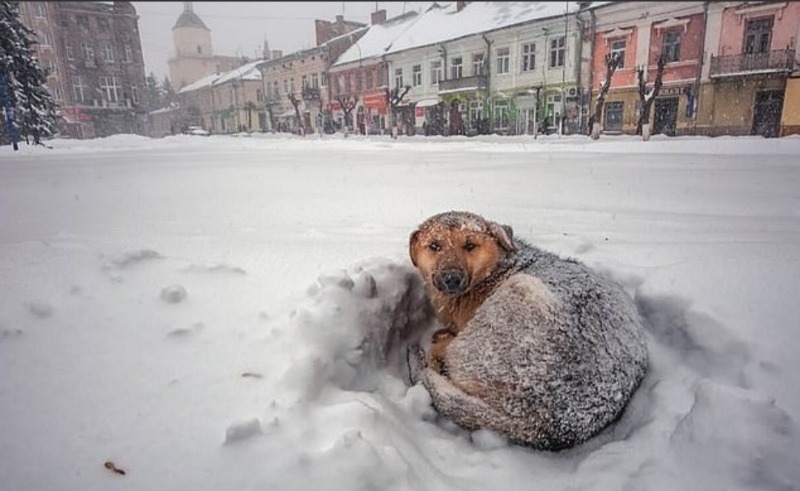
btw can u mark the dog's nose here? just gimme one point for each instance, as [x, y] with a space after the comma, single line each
[451, 282]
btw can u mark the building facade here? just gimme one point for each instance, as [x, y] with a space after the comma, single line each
[93, 54]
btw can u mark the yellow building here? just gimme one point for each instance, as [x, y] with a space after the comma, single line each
[790, 119]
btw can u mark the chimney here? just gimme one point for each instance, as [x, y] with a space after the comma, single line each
[460, 6]
[339, 19]
[378, 16]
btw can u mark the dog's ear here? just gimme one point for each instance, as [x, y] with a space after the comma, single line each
[504, 235]
[412, 241]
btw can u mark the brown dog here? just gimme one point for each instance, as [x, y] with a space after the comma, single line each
[540, 349]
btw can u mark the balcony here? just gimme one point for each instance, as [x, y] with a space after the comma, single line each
[752, 64]
[310, 93]
[463, 84]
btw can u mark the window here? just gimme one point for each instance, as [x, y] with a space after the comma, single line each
[613, 114]
[416, 75]
[102, 24]
[398, 77]
[315, 80]
[276, 89]
[87, 51]
[477, 64]
[259, 95]
[369, 78]
[557, 49]
[135, 94]
[63, 20]
[291, 85]
[57, 94]
[758, 35]
[199, 50]
[436, 72]
[618, 48]
[52, 68]
[109, 89]
[528, 57]
[70, 54]
[671, 47]
[502, 60]
[128, 54]
[44, 39]
[359, 81]
[285, 85]
[457, 67]
[323, 80]
[82, 20]
[107, 52]
[305, 81]
[79, 89]
[346, 84]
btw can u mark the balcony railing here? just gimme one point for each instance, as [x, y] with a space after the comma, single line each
[477, 82]
[752, 63]
[310, 93]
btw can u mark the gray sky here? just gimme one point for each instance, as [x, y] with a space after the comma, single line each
[240, 27]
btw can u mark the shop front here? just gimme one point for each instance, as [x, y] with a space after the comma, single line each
[374, 111]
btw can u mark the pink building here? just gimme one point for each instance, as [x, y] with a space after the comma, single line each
[752, 60]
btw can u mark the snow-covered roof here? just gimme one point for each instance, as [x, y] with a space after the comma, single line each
[245, 72]
[203, 82]
[377, 39]
[438, 25]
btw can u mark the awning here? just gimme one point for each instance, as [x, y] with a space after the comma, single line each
[428, 102]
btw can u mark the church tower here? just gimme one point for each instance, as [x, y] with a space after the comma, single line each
[191, 36]
[194, 55]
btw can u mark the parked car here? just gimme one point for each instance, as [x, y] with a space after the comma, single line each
[195, 130]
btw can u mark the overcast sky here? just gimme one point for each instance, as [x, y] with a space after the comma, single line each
[241, 27]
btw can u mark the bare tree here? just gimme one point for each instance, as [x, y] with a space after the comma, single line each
[296, 104]
[646, 98]
[393, 98]
[348, 103]
[612, 62]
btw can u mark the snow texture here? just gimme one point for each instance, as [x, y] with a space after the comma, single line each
[297, 363]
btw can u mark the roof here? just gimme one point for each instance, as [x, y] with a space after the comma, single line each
[189, 19]
[377, 39]
[245, 72]
[438, 25]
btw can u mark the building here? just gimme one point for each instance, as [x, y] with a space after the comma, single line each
[754, 48]
[301, 79]
[93, 54]
[229, 102]
[359, 78]
[500, 67]
[194, 54]
[639, 33]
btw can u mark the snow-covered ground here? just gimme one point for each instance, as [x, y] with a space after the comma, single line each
[194, 310]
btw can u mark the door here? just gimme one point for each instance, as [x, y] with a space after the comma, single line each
[767, 113]
[665, 119]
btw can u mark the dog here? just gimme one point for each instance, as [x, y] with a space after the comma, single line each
[540, 349]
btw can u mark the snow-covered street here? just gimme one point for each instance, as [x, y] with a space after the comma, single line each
[183, 308]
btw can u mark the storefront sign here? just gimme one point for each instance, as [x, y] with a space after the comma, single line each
[375, 100]
[526, 102]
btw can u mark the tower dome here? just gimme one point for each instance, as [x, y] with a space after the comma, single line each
[191, 36]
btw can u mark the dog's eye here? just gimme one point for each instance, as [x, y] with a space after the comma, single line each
[470, 246]
[435, 246]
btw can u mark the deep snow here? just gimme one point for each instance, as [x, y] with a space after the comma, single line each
[209, 313]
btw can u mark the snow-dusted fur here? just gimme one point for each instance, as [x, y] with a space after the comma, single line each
[550, 358]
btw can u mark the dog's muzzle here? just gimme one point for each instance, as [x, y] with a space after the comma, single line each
[451, 282]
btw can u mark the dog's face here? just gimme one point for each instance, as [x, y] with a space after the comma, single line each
[457, 250]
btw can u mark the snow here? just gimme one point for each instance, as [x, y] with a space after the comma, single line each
[275, 369]
[438, 25]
